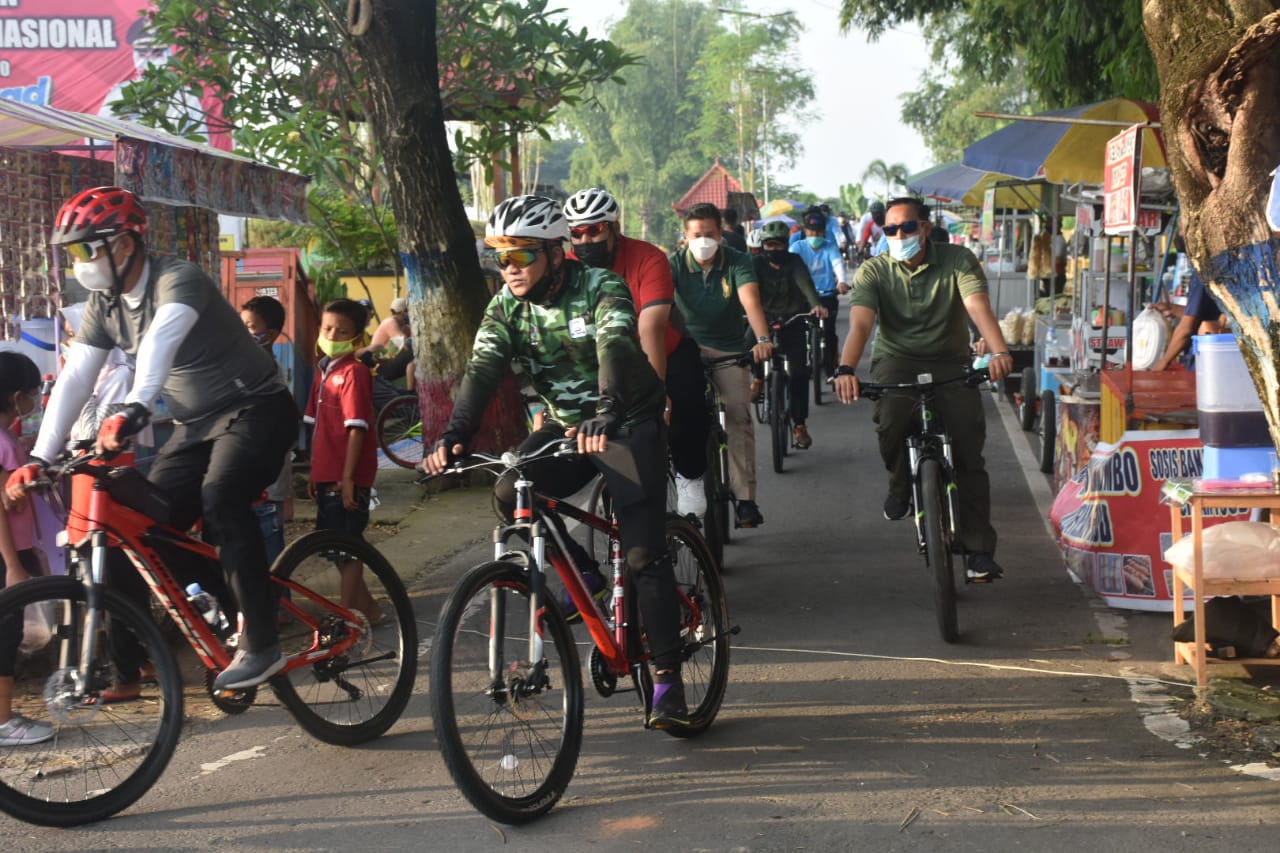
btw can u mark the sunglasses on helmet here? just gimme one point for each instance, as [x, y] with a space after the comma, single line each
[86, 251]
[911, 226]
[517, 257]
[595, 229]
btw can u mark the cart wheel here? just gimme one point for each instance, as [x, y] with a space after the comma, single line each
[1048, 431]
[1027, 406]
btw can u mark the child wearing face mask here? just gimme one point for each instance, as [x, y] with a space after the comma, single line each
[19, 388]
[343, 454]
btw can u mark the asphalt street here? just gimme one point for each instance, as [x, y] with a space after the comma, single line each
[848, 724]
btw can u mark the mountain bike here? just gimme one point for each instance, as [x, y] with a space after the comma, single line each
[506, 684]
[774, 407]
[348, 676]
[399, 430]
[933, 488]
[718, 521]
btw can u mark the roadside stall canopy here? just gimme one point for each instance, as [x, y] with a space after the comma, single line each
[1066, 146]
[160, 167]
[956, 182]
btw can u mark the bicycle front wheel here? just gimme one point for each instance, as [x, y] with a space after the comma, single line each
[937, 547]
[815, 362]
[778, 418]
[355, 696]
[99, 759]
[704, 626]
[510, 729]
[399, 429]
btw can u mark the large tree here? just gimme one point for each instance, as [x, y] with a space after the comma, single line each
[352, 89]
[1219, 63]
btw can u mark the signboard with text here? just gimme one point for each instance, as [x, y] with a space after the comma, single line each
[1122, 182]
[75, 55]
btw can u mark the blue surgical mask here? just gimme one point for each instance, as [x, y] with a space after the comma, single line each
[904, 249]
[816, 242]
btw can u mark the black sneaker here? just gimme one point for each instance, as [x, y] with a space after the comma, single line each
[670, 711]
[896, 508]
[981, 567]
[749, 514]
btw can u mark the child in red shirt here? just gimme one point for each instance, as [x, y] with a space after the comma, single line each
[343, 454]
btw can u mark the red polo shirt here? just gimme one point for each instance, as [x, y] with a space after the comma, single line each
[647, 272]
[341, 399]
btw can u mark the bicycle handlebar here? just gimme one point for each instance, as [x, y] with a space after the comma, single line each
[779, 324]
[875, 390]
[509, 460]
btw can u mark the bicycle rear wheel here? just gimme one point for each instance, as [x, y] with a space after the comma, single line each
[101, 758]
[704, 626]
[715, 521]
[600, 504]
[356, 696]
[778, 418]
[937, 548]
[815, 362]
[509, 729]
[399, 428]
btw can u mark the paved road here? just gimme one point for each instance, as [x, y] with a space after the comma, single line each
[848, 724]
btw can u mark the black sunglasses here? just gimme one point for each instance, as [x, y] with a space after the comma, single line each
[911, 226]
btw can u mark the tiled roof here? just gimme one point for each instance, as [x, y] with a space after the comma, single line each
[713, 188]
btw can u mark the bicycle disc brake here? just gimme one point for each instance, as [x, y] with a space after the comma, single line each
[606, 682]
[67, 700]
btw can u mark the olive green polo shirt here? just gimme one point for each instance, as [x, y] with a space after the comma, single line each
[709, 300]
[921, 312]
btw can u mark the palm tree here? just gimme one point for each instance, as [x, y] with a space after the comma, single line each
[891, 174]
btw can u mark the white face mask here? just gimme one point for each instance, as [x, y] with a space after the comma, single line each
[704, 248]
[904, 249]
[94, 274]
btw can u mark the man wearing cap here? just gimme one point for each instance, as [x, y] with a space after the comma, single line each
[826, 267]
[390, 328]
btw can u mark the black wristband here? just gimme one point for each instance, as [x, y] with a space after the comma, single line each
[846, 370]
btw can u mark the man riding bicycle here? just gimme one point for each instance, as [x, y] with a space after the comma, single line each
[572, 329]
[923, 294]
[673, 353]
[234, 417]
[786, 289]
[826, 266]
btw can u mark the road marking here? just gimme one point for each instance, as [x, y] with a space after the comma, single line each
[245, 755]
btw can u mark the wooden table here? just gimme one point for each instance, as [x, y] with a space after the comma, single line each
[1193, 577]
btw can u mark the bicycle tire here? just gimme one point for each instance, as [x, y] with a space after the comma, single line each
[102, 757]
[723, 486]
[815, 362]
[511, 758]
[713, 521]
[399, 428]
[1027, 397]
[357, 696]
[937, 548]
[704, 626]
[1048, 431]
[778, 418]
[598, 540]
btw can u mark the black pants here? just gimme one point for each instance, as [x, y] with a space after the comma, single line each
[690, 421]
[634, 466]
[960, 408]
[215, 470]
[793, 340]
[830, 343]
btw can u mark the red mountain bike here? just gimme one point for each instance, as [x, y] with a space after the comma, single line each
[352, 654]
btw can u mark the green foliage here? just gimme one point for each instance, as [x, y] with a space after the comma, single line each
[944, 113]
[853, 199]
[1074, 52]
[888, 174]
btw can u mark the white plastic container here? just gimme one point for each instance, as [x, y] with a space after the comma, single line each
[1223, 383]
[36, 341]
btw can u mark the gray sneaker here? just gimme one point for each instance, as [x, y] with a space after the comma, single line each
[249, 669]
[22, 731]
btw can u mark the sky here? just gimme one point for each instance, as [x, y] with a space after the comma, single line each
[857, 86]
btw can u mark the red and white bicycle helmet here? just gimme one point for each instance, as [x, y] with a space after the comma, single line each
[589, 206]
[97, 214]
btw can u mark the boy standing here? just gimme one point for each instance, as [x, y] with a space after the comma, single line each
[263, 316]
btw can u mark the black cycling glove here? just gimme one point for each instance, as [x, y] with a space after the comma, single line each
[447, 441]
[607, 420]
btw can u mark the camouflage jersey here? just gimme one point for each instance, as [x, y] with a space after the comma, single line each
[581, 345]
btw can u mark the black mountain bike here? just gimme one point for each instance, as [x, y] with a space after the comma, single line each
[774, 407]
[933, 488]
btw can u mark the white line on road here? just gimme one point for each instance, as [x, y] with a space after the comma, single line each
[244, 755]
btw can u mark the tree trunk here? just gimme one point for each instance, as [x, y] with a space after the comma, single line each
[437, 249]
[1219, 65]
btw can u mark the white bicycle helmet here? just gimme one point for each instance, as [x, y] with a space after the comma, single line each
[589, 206]
[525, 218]
[755, 238]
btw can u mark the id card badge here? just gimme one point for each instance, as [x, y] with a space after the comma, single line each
[577, 327]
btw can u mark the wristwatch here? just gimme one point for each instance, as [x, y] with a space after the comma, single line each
[763, 339]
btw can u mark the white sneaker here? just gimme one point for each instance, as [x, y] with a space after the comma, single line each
[691, 499]
[21, 731]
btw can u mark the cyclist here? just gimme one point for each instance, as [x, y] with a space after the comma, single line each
[826, 266]
[572, 328]
[234, 418]
[786, 289]
[871, 231]
[598, 242]
[923, 293]
[715, 286]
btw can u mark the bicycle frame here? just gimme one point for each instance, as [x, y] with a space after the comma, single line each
[931, 442]
[98, 521]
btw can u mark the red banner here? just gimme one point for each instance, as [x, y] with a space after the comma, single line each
[76, 56]
[1112, 527]
[1122, 182]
